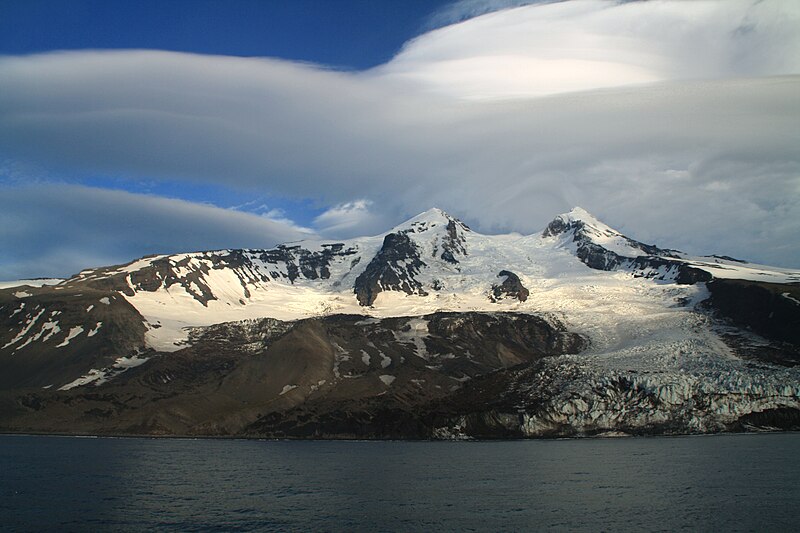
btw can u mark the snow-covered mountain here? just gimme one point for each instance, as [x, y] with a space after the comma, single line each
[431, 262]
[669, 326]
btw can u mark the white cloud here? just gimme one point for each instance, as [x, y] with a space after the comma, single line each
[709, 166]
[274, 214]
[349, 219]
[589, 44]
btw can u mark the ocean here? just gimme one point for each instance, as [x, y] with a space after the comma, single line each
[709, 483]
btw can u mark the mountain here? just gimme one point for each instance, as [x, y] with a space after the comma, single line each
[430, 330]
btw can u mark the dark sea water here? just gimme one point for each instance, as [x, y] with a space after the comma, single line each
[717, 483]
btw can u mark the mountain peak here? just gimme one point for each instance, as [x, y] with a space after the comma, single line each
[433, 214]
[433, 217]
[579, 213]
[576, 216]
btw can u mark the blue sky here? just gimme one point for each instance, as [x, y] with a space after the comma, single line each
[132, 128]
[350, 34]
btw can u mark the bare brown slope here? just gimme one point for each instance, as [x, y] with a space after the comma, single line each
[238, 376]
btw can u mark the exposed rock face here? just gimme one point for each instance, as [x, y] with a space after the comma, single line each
[782, 418]
[511, 287]
[584, 232]
[464, 346]
[191, 271]
[267, 377]
[165, 272]
[770, 309]
[444, 375]
[54, 335]
[728, 258]
[557, 226]
[393, 268]
[556, 398]
[454, 241]
[596, 257]
[299, 261]
[511, 334]
[649, 260]
[666, 269]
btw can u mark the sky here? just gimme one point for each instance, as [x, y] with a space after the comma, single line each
[133, 128]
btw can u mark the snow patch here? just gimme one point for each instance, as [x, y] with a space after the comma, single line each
[98, 377]
[340, 355]
[89, 377]
[788, 296]
[416, 330]
[53, 327]
[49, 329]
[73, 332]
[387, 379]
[28, 325]
[105, 300]
[93, 332]
[287, 388]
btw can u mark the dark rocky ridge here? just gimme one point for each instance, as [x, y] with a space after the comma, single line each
[477, 375]
[783, 419]
[511, 287]
[661, 268]
[312, 265]
[454, 242]
[47, 362]
[393, 268]
[515, 402]
[582, 234]
[655, 263]
[397, 263]
[165, 272]
[769, 309]
[239, 377]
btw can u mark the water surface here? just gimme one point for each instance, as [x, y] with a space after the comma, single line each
[716, 483]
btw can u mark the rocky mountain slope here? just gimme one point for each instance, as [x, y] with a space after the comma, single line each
[430, 330]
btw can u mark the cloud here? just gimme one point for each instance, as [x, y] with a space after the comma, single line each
[709, 165]
[279, 215]
[581, 45]
[61, 229]
[275, 214]
[349, 219]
